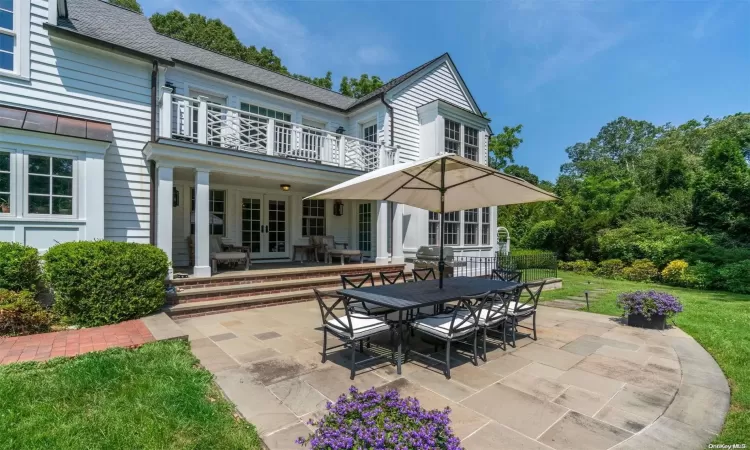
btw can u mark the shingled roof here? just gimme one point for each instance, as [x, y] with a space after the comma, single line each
[128, 30]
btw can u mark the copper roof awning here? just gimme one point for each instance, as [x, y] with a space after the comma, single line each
[44, 122]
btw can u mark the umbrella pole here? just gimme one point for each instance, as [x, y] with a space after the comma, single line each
[441, 263]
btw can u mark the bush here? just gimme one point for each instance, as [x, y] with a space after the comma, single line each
[736, 277]
[703, 275]
[641, 270]
[643, 239]
[371, 420]
[610, 268]
[21, 314]
[19, 267]
[540, 235]
[582, 266]
[676, 272]
[104, 282]
[648, 304]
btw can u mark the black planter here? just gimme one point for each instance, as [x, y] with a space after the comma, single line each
[656, 322]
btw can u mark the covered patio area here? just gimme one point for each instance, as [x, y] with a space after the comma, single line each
[588, 382]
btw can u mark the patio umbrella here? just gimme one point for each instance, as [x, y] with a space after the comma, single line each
[443, 183]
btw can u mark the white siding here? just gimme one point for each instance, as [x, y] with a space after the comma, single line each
[71, 79]
[439, 83]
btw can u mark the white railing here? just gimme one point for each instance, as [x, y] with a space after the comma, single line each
[199, 121]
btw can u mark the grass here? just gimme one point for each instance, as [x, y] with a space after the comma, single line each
[719, 321]
[152, 397]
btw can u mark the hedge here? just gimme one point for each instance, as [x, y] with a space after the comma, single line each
[19, 267]
[103, 282]
[21, 314]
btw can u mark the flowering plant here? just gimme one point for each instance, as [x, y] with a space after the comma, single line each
[374, 421]
[649, 303]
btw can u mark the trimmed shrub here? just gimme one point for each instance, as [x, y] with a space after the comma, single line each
[641, 270]
[703, 275]
[582, 266]
[676, 272]
[610, 268]
[19, 267]
[540, 235]
[21, 314]
[104, 282]
[736, 277]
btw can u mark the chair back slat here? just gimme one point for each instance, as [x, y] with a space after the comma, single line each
[423, 274]
[392, 277]
[329, 305]
[496, 304]
[507, 275]
[357, 281]
[463, 322]
[534, 289]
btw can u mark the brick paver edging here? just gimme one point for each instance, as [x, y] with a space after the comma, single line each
[41, 347]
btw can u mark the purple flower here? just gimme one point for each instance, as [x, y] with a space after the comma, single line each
[649, 303]
[370, 420]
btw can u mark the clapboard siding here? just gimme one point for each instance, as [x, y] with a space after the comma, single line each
[73, 79]
[439, 83]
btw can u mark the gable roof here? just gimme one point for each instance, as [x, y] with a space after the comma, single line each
[130, 31]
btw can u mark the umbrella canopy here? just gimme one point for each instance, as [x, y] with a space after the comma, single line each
[466, 184]
[443, 183]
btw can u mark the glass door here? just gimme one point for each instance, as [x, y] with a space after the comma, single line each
[277, 213]
[252, 225]
[364, 228]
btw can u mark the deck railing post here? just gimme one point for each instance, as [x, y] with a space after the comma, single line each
[270, 137]
[342, 151]
[202, 120]
[165, 124]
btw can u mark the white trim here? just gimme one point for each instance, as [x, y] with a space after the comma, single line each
[75, 198]
[21, 33]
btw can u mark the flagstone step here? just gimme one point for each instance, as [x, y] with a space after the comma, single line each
[244, 290]
[200, 308]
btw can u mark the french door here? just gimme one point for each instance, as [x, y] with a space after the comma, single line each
[364, 228]
[265, 225]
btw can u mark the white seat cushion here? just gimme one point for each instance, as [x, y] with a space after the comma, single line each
[441, 325]
[228, 255]
[519, 309]
[362, 325]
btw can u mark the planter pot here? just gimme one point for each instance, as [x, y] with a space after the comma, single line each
[656, 322]
[5, 209]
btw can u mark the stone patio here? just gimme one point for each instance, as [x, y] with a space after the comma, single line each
[587, 383]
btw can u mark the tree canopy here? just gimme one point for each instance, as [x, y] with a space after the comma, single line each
[129, 4]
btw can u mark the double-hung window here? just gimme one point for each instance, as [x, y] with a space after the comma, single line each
[313, 218]
[216, 210]
[486, 226]
[471, 143]
[452, 228]
[8, 35]
[50, 185]
[452, 137]
[471, 226]
[5, 200]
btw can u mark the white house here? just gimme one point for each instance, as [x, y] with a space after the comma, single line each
[109, 130]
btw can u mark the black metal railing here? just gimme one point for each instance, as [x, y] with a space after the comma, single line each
[534, 266]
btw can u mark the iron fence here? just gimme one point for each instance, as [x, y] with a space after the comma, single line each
[535, 266]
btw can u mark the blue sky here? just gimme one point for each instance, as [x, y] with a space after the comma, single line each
[561, 68]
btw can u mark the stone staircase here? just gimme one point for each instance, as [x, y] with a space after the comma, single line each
[238, 290]
[576, 302]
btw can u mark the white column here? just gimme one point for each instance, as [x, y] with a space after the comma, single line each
[202, 120]
[164, 189]
[381, 244]
[94, 212]
[165, 118]
[201, 239]
[397, 246]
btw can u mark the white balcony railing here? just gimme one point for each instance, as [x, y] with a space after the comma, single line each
[199, 121]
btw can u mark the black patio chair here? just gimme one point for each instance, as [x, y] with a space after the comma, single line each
[348, 326]
[423, 274]
[392, 277]
[506, 275]
[452, 327]
[491, 315]
[518, 311]
[359, 281]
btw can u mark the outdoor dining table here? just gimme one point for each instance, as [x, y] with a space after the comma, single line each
[403, 297]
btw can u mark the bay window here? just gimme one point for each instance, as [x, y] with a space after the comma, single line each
[452, 137]
[50, 185]
[471, 143]
[313, 218]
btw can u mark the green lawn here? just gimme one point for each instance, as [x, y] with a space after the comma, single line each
[719, 321]
[152, 397]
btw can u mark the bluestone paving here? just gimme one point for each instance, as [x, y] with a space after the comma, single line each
[588, 382]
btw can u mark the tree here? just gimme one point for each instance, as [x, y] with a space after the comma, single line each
[359, 87]
[129, 4]
[324, 82]
[522, 172]
[214, 35]
[503, 145]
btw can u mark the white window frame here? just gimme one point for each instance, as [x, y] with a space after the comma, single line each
[211, 212]
[469, 225]
[475, 147]
[9, 196]
[486, 213]
[365, 126]
[454, 140]
[306, 218]
[20, 34]
[25, 193]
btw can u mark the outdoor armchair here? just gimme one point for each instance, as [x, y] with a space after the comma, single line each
[518, 310]
[506, 275]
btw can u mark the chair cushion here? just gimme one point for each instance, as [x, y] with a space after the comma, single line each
[483, 314]
[221, 256]
[362, 325]
[214, 244]
[519, 309]
[440, 326]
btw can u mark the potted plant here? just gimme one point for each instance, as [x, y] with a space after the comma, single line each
[4, 206]
[385, 421]
[648, 309]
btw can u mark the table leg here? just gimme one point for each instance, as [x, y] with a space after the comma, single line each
[400, 342]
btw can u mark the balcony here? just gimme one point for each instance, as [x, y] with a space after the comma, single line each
[199, 121]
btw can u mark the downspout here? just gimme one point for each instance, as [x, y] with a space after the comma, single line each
[152, 172]
[390, 114]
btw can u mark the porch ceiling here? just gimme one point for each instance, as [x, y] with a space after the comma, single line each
[256, 180]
